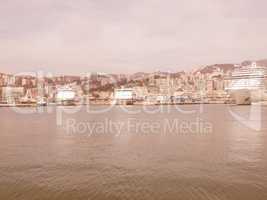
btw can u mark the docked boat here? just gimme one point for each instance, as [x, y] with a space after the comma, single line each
[41, 102]
[65, 96]
[27, 99]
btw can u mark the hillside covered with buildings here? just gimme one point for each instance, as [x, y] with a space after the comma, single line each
[205, 84]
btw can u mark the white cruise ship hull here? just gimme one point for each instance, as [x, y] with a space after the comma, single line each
[241, 97]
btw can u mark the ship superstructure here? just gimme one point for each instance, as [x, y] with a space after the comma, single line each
[248, 77]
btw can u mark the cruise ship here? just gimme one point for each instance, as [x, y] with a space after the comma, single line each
[247, 83]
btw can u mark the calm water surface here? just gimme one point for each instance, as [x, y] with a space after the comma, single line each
[80, 156]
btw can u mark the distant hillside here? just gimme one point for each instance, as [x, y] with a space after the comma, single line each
[138, 76]
[211, 68]
[262, 62]
[229, 67]
[259, 62]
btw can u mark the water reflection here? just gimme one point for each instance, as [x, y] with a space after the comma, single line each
[40, 159]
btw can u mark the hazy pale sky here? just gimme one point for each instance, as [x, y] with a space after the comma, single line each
[77, 36]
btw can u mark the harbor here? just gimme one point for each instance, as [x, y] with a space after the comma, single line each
[240, 84]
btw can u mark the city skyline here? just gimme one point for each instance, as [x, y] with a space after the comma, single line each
[65, 37]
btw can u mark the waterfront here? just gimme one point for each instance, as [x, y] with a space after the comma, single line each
[40, 159]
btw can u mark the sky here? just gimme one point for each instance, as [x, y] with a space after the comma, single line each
[127, 36]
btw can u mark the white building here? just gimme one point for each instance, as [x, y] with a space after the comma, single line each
[124, 96]
[12, 94]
